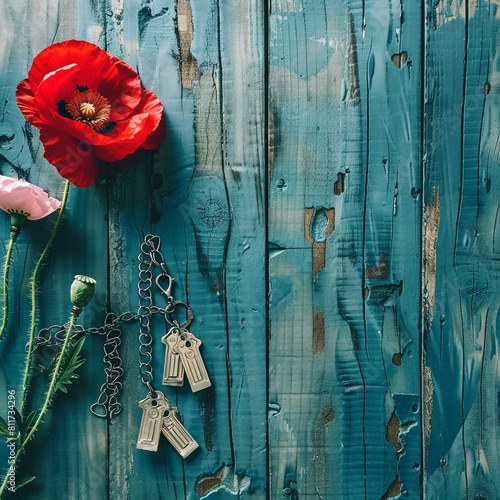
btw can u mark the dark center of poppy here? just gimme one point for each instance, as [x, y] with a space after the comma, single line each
[90, 107]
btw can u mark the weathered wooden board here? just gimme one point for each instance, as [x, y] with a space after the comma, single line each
[345, 249]
[69, 453]
[204, 195]
[461, 244]
[341, 264]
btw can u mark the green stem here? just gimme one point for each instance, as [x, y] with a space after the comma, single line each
[34, 296]
[5, 288]
[50, 394]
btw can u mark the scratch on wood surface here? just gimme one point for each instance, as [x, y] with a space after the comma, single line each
[208, 151]
[354, 93]
[399, 60]
[318, 332]
[380, 272]
[427, 410]
[273, 140]
[188, 65]
[325, 417]
[338, 187]
[224, 478]
[394, 489]
[432, 218]
[144, 17]
[392, 434]
[448, 10]
[206, 405]
[319, 225]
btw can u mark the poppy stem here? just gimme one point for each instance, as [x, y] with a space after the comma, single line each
[33, 281]
[54, 379]
[14, 232]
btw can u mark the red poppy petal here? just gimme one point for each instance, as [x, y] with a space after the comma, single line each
[74, 160]
[26, 103]
[56, 86]
[136, 131]
[126, 162]
[96, 65]
[156, 138]
[132, 138]
[129, 92]
[100, 71]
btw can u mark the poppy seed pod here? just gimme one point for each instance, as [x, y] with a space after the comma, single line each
[17, 220]
[82, 290]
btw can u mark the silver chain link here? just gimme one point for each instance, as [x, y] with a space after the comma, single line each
[150, 254]
[107, 404]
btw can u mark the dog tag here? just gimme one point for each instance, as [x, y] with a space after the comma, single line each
[189, 351]
[153, 407]
[177, 434]
[173, 369]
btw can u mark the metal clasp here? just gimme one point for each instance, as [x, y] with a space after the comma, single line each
[168, 291]
[174, 322]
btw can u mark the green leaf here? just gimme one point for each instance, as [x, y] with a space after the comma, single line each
[19, 419]
[4, 430]
[24, 425]
[30, 419]
[69, 364]
[24, 482]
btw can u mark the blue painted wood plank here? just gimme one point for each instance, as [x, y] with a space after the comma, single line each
[357, 410]
[345, 91]
[207, 204]
[461, 205]
[69, 452]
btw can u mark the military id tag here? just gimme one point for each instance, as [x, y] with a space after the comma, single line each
[189, 351]
[153, 407]
[177, 434]
[173, 369]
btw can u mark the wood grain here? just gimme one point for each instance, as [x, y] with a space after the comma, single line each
[348, 144]
[327, 199]
[69, 453]
[202, 192]
[462, 298]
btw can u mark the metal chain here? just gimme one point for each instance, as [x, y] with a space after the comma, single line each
[150, 254]
[107, 404]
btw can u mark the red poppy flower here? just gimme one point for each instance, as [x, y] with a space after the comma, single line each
[88, 104]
